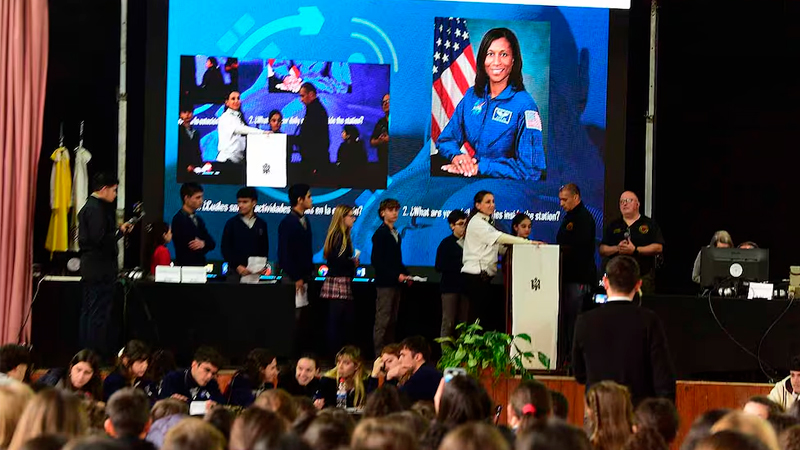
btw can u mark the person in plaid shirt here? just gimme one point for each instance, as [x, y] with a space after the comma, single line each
[336, 288]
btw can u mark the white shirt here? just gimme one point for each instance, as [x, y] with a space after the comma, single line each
[231, 132]
[480, 246]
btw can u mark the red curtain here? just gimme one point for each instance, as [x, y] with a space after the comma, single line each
[23, 75]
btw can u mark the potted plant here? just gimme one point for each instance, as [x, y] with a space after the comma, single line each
[481, 352]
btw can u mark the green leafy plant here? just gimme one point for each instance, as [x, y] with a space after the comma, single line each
[477, 350]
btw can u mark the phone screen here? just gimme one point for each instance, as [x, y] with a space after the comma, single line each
[600, 298]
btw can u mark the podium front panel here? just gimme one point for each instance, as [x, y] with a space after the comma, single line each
[534, 300]
[266, 160]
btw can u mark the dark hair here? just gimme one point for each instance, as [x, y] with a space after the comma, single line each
[247, 192]
[623, 273]
[209, 355]
[382, 402]
[553, 434]
[773, 407]
[747, 243]
[790, 438]
[463, 400]
[352, 133]
[95, 385]
[46, 442]
[659, 414]
[571, 187]
[701, 427]
[103, 179]
[646, 439]
[417, 344]
[456, 215]
[189, 189]
[781, 422]
[273, 112]
[560, 405]
[134, 351]
[288, 441]
[95, 442]
[297, 191]
[256, 361]
[389, 203]
[425, 408]
[12, 355]
[309, 87]
[186, 107]
[535, 394]
[328, 432]
[221, 418]
[477, 199]
[794, 363]
[310, 356]
[156, 232]
[412, 420]
[213, 60]
[515, 77]
[161, 363]
[730, 440]
[253, 425]
[129, 411]
[518, 219]
[278, 401]
[392, 349]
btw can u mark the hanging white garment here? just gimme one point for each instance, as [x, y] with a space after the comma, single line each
[80, 192]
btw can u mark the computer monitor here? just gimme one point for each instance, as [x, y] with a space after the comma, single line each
[718, 265]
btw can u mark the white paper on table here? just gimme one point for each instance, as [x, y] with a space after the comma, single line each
[760, 290]
[301, 297]
[255, 265]
[197, 408]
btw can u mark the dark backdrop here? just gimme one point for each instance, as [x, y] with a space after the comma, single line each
[726, 146]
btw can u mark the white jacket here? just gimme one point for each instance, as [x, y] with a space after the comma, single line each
[231, 133]
[783, 394]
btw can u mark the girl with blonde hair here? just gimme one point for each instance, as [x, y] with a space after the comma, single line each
[337, 287]
[610, 415]
[51, 411]
[350, 369]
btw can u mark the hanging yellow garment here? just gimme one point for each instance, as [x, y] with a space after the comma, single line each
[60, 202]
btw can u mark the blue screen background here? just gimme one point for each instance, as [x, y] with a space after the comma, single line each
[399, 33]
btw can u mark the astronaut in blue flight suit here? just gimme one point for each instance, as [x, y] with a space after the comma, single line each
[502, 125]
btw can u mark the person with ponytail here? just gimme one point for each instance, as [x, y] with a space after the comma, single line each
[530, 404]
[337, 287]
[482, 245]
[132, 365]
[159, 235]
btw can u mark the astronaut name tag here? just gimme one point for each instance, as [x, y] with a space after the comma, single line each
[502, 115]
[533, 120]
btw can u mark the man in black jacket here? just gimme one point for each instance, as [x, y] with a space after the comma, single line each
[315, 140]
[390, 273]
[423, 378]
[623, 342]
[189, 154]
[244, 235]
[449, 255]
[189, 234]
[578, 270]
[295, 254]
[98, 235]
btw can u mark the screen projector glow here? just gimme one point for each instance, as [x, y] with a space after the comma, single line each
[365, 49]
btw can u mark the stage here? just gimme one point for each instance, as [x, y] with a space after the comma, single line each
[236, 318]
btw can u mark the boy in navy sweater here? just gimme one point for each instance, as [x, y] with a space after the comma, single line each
[449, 257]
[295, 252]
[245, 235]
[390, 273]
[189, 234]
[197, 383]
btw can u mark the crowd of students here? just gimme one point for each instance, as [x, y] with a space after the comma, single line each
[402, 403]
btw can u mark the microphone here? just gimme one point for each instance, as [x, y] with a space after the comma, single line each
[138, 213]
[627, 234]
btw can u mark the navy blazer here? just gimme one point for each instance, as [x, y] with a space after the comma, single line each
[184, 231]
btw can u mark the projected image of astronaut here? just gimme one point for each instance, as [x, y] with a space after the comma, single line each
[496, 128]
[328, 77]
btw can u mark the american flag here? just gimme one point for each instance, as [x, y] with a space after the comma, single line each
[453, 70]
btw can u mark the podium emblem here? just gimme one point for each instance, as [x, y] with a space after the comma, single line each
[536, 284]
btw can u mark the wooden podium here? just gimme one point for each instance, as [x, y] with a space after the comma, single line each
[532, 294]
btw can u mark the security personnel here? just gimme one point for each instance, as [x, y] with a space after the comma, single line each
[497, 119]
[578, 271]
[636, 235]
